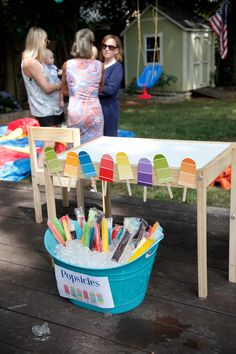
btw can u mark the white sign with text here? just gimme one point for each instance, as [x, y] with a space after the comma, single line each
[91, 290]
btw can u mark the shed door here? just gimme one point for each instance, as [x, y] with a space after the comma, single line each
[201, 60]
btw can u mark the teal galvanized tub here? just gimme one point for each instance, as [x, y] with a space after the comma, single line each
[127, 283]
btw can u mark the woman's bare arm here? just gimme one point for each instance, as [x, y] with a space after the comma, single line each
[33, 69]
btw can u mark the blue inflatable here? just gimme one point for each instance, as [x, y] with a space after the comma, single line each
[149, 76]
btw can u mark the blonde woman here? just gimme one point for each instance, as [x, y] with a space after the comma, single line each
[81, 79]
[111, 56]
[43, 93]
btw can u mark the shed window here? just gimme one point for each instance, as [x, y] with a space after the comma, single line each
[149, 49]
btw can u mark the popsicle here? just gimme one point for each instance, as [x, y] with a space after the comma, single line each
[58, 226]
[124, 169]
[106, 174]
[187, 175]
[56, 233]
[87, 167]
[163, 171]
[144, 175]
[53, 163]
[71, 167]
[104, 235]
[65, 220]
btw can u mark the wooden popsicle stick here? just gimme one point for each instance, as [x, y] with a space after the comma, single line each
[145, 194]
[103, 198]
[59, 178]
[105, 188]
[169, 190]
[93, 183]
[128, 187]
[184, 194]
[69, 185]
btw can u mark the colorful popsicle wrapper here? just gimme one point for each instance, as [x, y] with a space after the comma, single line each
[162, 169]
[71, 165]
[144, 172]
[86, 164]
[54, 165]
[123, 165]
[106, 168]
[187, 173]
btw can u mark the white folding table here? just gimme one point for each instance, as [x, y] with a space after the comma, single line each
[211, 159]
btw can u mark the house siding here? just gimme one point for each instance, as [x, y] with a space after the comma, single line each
[177, 52]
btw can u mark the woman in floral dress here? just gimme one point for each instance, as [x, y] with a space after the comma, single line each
[81, 79]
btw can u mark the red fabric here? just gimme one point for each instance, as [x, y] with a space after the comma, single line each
[7, 155]
[22, 123]
[60, 147]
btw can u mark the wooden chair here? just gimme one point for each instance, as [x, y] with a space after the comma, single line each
[52, 134]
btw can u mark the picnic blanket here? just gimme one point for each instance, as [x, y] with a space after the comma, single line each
[14, 150]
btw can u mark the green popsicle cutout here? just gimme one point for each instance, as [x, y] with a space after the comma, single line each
[54, 165]
[163, 171]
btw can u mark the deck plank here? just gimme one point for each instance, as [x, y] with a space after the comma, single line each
[172, 319]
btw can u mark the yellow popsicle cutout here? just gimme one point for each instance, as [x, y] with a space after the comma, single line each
[124, 169]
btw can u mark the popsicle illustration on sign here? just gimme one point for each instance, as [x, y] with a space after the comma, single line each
[71, 167]
[106, 172]
[187, 175]
[144, 177]
[124, 169]
[163, 171]
[87, 167]
[53, 163]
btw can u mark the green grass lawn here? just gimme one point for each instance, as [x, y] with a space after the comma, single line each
[198, 119]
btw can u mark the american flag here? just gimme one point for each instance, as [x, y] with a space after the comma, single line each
[218, 23]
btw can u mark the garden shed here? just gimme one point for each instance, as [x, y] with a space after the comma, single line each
[184, 47]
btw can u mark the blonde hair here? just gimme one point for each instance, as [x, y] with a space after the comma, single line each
[119, 55]
[35, 44]
[82, 46]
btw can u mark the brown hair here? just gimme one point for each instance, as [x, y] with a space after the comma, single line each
[119, 55]
[82, 46]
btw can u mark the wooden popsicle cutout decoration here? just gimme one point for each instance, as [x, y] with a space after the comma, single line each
[144, 177]
[53, 163]
[163, 171]
[124, 169]
[87, 167]
[106, 174]
[187, 175]
[71, 167]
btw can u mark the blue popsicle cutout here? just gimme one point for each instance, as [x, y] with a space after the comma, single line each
[86, 164]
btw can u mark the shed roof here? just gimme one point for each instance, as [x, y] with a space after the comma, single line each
[179, 17]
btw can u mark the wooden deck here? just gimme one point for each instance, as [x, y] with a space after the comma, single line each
[172, 319]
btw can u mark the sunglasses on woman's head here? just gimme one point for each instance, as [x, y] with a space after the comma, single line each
[109, 47]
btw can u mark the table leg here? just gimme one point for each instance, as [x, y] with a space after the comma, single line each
[202, 236]
[50, 195]
[232, 223]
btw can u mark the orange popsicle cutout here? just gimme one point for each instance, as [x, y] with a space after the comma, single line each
[124, 168]
[71, 167]
[187, 175]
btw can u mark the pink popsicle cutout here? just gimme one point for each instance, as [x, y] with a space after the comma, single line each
[106, 174]
[144, 175]
[106, 168]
